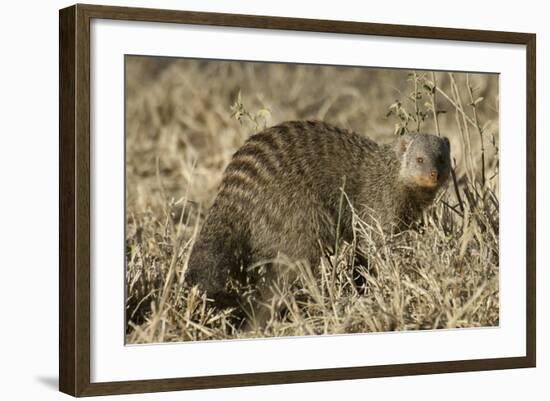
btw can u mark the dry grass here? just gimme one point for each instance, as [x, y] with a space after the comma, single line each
[186, 118]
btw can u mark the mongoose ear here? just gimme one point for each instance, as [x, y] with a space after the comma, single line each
[401, 145]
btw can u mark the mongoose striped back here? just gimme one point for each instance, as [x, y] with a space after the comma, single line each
[281, 192]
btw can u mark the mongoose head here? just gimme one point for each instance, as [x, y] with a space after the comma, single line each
[425, 160]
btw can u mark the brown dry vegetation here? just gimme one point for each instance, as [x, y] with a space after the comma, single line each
[185, 119]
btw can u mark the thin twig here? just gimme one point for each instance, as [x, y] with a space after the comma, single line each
[432, 95]
[457, 192]
[340, 206]
[454, 104]
[434, 109]
[463, 127]
[473, 103]
[416, 110]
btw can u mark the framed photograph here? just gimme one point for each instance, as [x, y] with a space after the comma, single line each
[250, 200]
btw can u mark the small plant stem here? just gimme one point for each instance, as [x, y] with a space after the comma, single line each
[457, 191]
[464, 129]
[438, 131]
[455, 105]
[416, 110]
[338, 223]
[166, 288]
[478, 126]
[432, 95]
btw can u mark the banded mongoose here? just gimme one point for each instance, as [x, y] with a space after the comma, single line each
[281, 194]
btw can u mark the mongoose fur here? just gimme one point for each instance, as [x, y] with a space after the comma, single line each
[281, 192]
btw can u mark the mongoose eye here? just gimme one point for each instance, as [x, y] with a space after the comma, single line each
[420, 160]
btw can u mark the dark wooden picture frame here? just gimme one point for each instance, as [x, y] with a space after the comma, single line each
[74, 200]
